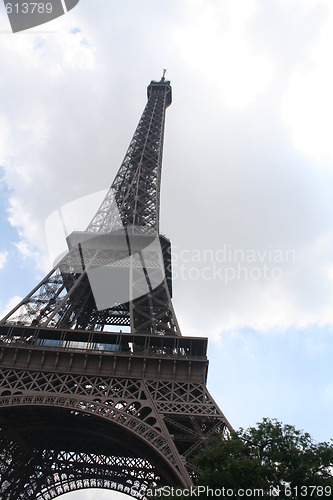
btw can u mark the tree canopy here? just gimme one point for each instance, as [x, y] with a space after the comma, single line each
[270, 455]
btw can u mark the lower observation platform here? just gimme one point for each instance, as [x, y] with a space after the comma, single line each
[111, 353]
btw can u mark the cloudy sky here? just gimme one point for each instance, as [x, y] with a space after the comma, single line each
[247, 175]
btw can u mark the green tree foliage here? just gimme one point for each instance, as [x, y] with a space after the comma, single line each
[229, 463]
[268, 455]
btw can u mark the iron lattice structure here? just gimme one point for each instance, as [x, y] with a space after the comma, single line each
[98, 387]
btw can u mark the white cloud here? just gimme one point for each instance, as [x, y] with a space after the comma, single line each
[307, 106]
[10, 305]
[263, 295]
[3, 259]
[215, 42]
[303, 6]
[5, 146]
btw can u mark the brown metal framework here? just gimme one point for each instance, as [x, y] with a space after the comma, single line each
[82, 403]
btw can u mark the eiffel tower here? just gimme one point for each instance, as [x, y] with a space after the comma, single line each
[98, 387]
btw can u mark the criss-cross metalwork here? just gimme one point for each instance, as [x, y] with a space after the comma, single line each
[97, 386]
[134, 197]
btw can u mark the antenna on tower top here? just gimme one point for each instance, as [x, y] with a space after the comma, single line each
[163, 76]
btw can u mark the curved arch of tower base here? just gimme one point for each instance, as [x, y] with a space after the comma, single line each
[46, 453]
[120, 420]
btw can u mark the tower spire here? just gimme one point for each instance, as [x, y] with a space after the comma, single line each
[134, 196]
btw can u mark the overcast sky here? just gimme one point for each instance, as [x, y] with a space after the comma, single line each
[247, 175]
